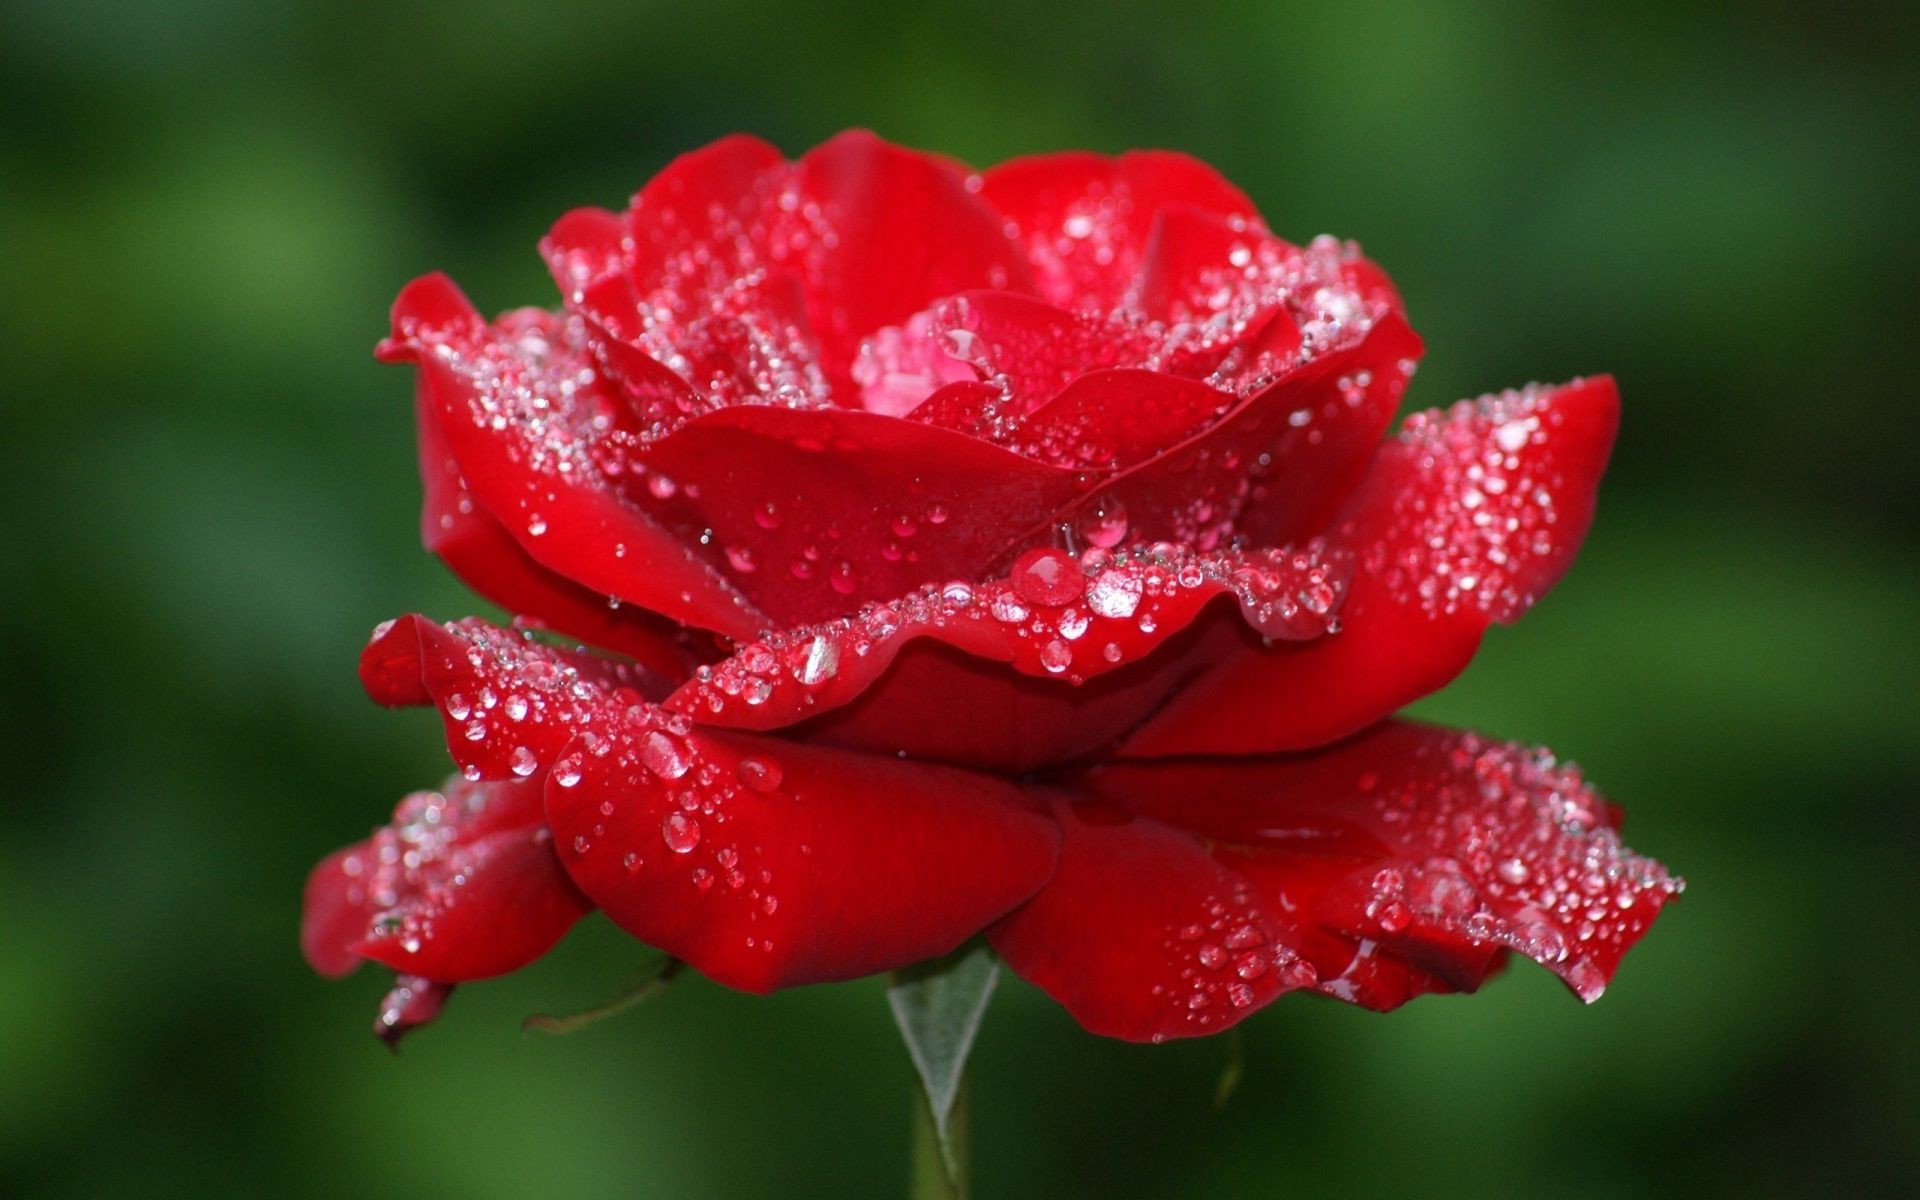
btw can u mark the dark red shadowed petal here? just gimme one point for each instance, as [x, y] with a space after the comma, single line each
[767, 864]
[411, 1003]
[1404, 861]
[1466, 519]
[510, 703]
[1130, 935]
[1084, 220]
[463, 884]
[1054, 616]
[543, 446]
[467, 538]
[816, 511]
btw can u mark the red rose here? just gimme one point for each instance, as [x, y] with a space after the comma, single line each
[1013, 551]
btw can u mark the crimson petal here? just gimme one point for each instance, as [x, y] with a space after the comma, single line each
[463, 884]
[1406, 860]
[653, 817]
[538, 440]
[1466, 519]
[892, 230]
[484, 555]
[1085, 220]
[766, 864]
[1053, 617]
[815, 511]
[509, 703]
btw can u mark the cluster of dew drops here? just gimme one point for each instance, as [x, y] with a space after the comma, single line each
[699, 794]
[1484, 511]
[412, 868]
[1059, 614]
[1222, 958]
[1514, 848]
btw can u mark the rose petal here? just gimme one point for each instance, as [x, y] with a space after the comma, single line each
[463, 884]
[813, 512]
[1306, 437]
[1466, 519]
[766, 864]
[466, 537]
[539, 441]
[1403, 861]
[1084, 220]
[870, 232]
[841, 894]
[1054, 616]
[1127, 934]
[890, 230]
[509, 703]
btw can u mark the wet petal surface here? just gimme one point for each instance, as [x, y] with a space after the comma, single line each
[546, 447]
[767, 864]
[1403, 861]
[462, 884]
[1465, 519]
[1058, 617]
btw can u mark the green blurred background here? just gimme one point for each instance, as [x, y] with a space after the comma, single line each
[206, 206]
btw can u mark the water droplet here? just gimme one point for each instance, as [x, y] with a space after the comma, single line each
[681, 832]
[1114, 593]
[522, 761]
[1056, 656]
[1048, 576]
[663, 756]
[760, 774]
[1104, 523]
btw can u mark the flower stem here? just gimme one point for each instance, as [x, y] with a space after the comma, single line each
[940, 1172]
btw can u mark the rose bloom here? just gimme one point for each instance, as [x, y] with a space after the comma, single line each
[901, 553]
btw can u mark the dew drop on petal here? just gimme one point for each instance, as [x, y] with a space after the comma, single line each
[681, 832]
[760, 774]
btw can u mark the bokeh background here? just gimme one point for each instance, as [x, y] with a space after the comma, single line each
[210, 497]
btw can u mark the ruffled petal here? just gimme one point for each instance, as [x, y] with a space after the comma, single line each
[762, 863]
[766, 864]
[814, 512]
[1084, 220]
[544, 446]
[803, 260]
[1129, 935]
[1056, 617]
[510, 703]
[1466, 519]
[463, 884]
[486, 557]
[1403, 861]
[889, 230]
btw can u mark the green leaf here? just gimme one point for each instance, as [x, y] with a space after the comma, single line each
[647, 982]
[938, 1006]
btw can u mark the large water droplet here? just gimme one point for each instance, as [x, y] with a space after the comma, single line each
[1104, 522]
[760, 774]
[663, 756]
[681, 832]
[1045, 575]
